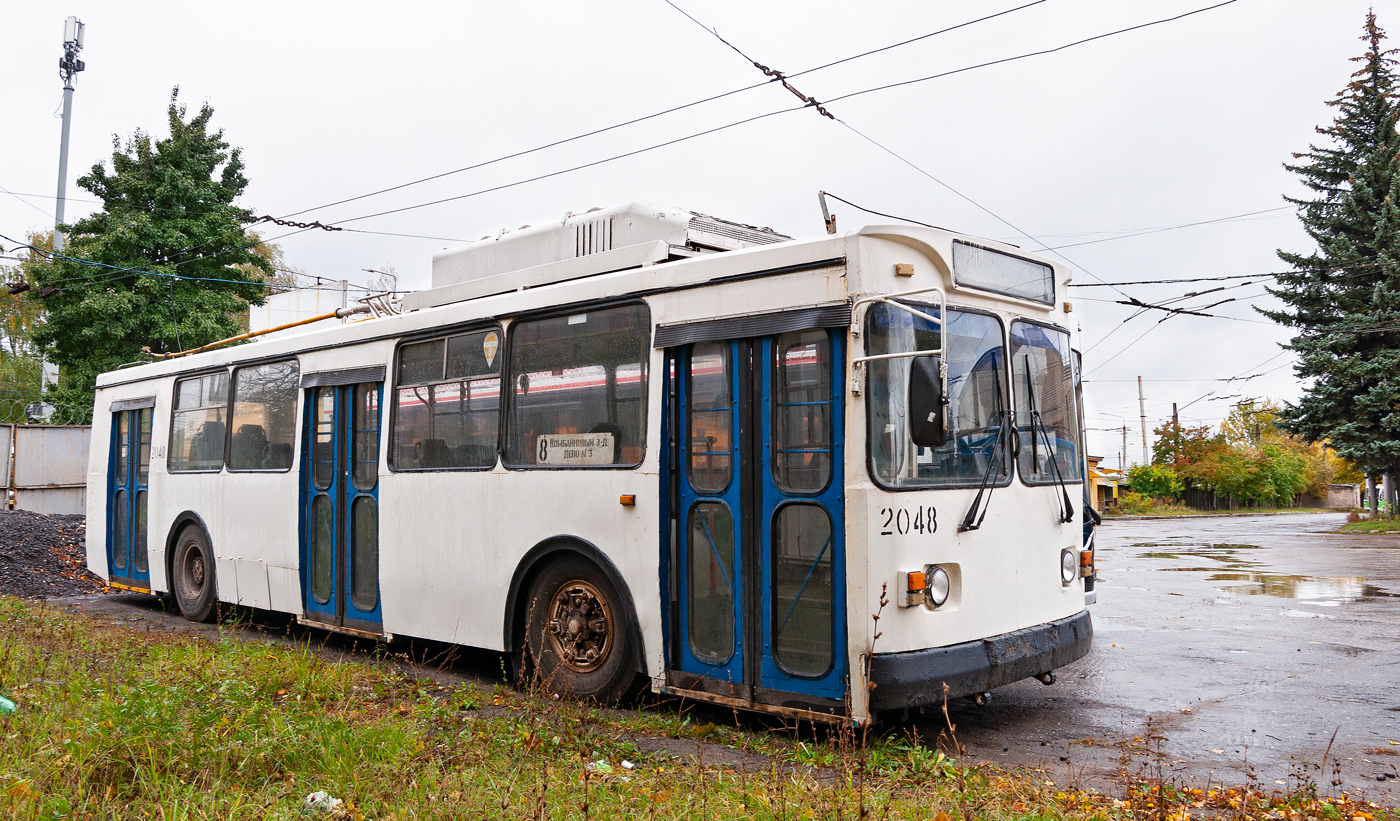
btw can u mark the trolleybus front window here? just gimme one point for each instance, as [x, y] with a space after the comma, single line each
[1047, 418]
[976, 399]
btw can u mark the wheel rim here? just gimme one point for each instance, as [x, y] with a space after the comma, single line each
[192, 575]
[580, 626]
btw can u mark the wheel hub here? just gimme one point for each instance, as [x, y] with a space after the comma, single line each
[580, 626]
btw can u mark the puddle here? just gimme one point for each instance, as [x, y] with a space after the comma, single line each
[1324, 591]
[1226, 554]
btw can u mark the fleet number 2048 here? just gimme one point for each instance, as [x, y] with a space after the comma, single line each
[903, 520]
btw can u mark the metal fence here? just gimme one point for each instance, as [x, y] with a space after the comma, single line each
[45, 467]
[26, 412]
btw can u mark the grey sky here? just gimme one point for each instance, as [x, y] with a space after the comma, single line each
[1178, 123]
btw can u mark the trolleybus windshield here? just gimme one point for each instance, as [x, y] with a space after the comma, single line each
[977, 399]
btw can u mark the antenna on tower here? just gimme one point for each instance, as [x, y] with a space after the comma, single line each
[68, 65]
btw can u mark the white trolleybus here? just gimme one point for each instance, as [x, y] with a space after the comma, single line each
[641, 442]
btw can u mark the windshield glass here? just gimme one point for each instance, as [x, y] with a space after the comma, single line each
[976, 398]
[1043, 377]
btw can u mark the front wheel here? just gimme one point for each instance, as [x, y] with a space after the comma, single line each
[577, 634]
[193, 576]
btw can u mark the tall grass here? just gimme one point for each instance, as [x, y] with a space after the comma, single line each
[114, 722]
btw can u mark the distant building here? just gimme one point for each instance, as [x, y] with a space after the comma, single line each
[298, 304]
[1103, 484]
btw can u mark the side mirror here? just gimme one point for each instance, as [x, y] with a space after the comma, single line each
[927, 427]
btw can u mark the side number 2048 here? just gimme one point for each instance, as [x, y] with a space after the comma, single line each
[903, 521]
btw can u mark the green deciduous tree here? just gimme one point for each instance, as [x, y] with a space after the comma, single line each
[177, 269]
[20, 365]
[1344, 297]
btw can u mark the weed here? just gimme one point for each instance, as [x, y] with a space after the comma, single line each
[115, 722]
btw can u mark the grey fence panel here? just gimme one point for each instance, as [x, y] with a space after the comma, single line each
[6, 444]
[51, 467]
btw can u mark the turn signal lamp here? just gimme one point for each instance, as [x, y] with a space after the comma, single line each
[929, 586]
[914, 583]
[627, 499]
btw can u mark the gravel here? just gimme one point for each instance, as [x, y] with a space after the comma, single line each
[43, 556]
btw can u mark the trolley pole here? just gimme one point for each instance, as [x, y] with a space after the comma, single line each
[68, 66]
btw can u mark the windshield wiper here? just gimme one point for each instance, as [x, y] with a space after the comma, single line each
[1002, 429]
[1038, 430]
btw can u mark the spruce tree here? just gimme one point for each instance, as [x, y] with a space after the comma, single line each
[1344, 297]
[180, 270]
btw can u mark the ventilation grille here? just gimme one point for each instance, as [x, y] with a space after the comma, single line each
[592, 237]
[726, 235]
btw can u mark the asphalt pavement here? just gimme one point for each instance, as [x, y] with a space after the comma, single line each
[1223, 646]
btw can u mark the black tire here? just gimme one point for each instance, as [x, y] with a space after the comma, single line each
[578, 637]
[192, 579]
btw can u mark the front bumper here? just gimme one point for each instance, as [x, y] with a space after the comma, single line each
[916, 678]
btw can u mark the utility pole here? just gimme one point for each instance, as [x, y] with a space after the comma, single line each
[67, 67]
[1142, 409]
[1123, 454]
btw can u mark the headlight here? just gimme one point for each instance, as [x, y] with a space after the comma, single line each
[938, 586]
[1069, 565]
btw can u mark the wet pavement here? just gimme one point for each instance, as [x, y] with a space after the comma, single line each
[1223, 644]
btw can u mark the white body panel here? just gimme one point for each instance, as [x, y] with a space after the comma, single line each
[450, 541]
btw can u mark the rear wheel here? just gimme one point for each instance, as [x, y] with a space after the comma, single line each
[577, 635]
[192, 577]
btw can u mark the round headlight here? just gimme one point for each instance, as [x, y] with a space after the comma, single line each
[1069, 565]
[937, 587]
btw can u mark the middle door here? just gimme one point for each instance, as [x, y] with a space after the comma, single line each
[761, 550]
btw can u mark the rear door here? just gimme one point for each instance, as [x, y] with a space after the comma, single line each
[128, 482]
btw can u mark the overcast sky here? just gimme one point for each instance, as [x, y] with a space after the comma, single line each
[1183, 122]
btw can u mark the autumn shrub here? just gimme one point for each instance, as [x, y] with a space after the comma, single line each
[1155, 481]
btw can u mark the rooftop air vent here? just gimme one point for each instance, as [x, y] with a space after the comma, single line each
[618, 237]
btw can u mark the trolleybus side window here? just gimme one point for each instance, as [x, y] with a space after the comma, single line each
[578, 389]
[977, 400]
[264, 416]
[447, 402]
[1047, 418]
[199, 423]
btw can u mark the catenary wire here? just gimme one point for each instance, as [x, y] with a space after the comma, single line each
[730, 125]
[1147, 232]
[655, 115]
[1027, 55]
[124, 272]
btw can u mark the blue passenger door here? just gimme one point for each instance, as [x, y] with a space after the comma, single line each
[340, 507]
[760, 564]
[128, 481]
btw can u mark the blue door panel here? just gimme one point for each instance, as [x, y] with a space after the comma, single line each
[704, 511]
[798, 549]
[128, 481]
[332, 496]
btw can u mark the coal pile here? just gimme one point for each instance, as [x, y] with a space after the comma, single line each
[43, 556]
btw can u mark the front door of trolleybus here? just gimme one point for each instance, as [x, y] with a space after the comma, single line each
[757, 500]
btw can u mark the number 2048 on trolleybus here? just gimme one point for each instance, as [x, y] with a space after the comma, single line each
[641, 444]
